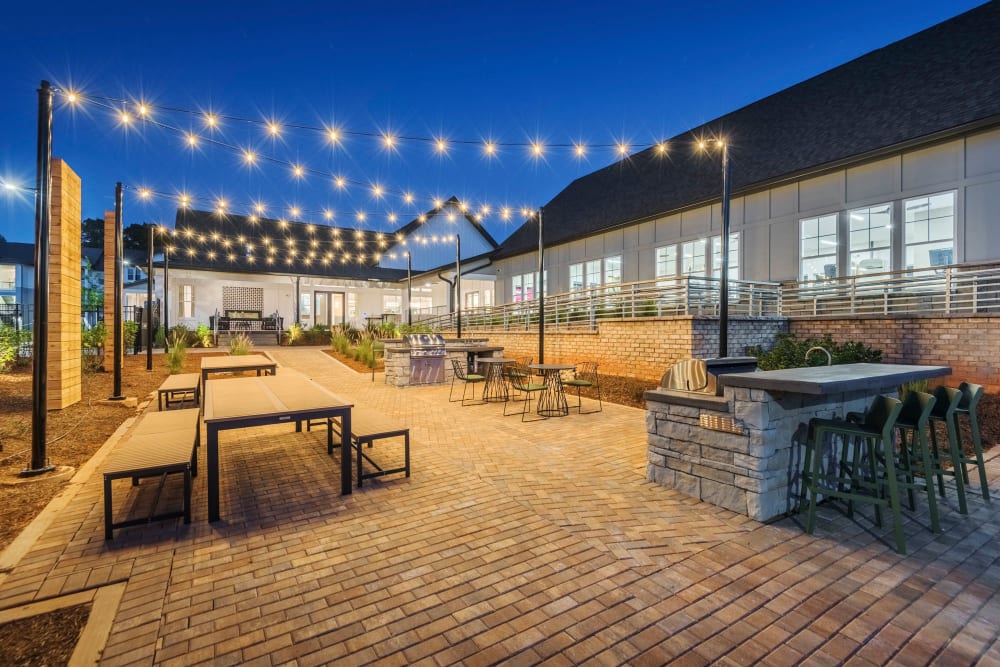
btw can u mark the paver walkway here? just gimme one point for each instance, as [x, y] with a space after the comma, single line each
[511, 542]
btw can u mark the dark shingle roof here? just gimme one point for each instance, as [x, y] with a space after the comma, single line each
[201, 236]
[17, 253]
[945, 77]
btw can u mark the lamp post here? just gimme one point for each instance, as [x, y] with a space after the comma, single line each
[458, 283]
[409, 291]
[724, 282]
[166, 291]
[40, 335]
[541, 294]
[117, 331]
[149, 303]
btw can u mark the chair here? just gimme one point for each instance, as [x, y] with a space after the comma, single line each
[846, 478]
[585, 376]
[467, 379]
[519, 379]
[971, 393]
[520, 362]
[915, 455]
[948, 400]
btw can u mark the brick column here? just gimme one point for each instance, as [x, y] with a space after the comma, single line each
[109, 290]
[63, 319]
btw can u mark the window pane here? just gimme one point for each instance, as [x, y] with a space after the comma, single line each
[870, 261]
[693, 258]
[666, 261]
[613, 270]
[930, 230]
[575, 277]
[819, 268]
[594, 273]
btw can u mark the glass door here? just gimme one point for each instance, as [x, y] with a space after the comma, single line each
[329, 308]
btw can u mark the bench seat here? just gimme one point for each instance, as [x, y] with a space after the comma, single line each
[367, 426]
[162, 443]
[182, 385]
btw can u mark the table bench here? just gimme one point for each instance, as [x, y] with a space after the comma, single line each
[162, 443]
[174, 385]
[367, 426]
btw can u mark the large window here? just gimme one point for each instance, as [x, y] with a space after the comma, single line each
[734, 256]
[666, 261]
[593, 273]
[818, 247]
[575, 277]
[8, 276]
[523, 286]
[613, 272]
[392, 304]
[930, 230]
[693, 260]
[187, 301]
[472, 299]
[869, 234]
[422, 304]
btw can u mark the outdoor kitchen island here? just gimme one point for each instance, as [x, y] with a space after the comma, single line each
[743, 450]
[426, 358]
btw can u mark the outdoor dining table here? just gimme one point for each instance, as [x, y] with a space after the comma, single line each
[240, 362]
[270, 399]
[495, 389]
[552, 401]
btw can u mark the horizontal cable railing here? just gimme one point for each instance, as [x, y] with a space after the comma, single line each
[947, 290]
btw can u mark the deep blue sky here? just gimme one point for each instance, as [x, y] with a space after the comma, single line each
[514, 71]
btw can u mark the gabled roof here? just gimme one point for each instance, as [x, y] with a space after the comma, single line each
[200, 242]
[941, 79]
[421, 220]
[17, 253]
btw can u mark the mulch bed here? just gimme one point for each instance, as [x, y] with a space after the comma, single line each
[43, 640]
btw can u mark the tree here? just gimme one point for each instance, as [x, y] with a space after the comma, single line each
[92, 232]
[136, 237]
[2, 239]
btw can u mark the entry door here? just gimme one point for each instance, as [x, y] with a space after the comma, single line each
[329, 308]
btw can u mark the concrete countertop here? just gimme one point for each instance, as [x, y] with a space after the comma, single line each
[819, 380]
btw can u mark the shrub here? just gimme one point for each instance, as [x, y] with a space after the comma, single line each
[92, 343]
[179, 331]
[204, 335]
[294, 333]
[161, 337]
[240, 344]
[130, 329]
[11, 339]
[789, 352]
[176, 350]
[317, 334]
[414, 329]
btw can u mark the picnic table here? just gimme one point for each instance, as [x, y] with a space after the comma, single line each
[232, 364]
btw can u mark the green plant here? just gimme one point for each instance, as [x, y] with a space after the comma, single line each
[161, 337]
[204, 335]
[130, 329]
[92, 342]
[240, 344]
[790, 352]
[176, 350]
[414, 329]
[294, 333]
[11, 339]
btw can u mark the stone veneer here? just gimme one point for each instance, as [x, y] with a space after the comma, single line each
[397, 359]
[755, 472]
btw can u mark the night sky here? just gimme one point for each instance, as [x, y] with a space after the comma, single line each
[560, 73]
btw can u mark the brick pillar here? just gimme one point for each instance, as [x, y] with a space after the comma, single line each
[109, 290]
[63, 319]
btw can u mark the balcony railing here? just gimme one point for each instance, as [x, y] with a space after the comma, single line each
[945, 290]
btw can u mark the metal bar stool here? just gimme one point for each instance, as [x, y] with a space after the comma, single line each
[915, 455]
[971, 393]
[944, 413]
[847, 480]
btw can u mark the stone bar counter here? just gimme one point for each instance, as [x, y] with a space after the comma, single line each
[464, 350]
[743, 450]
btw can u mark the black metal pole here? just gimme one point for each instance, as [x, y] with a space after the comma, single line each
[118, 349]
[296, 309]
[149, 303]
[724, 282]
[40, 334]
[541, 294]
[409, 291]
[166, 292]
[458, 282]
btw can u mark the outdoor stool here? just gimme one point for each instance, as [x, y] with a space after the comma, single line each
[971, 393]
[944, 412]
[915, 455]
[519, 379]
[847, 479]
[467, 379]
[585, 376]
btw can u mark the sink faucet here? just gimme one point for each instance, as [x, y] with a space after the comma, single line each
[829, 357]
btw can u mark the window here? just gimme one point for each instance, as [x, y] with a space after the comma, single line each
[187, 301]
[929, 230]
[869, 238]
[352, 305]
[523, 286]
[8, 274]
[305, 304]
[515, 289]
[734, 256]
[392, 304]
[593, 273]
[693, 258]
[472, 299]
[575, 277]
[818, 247]
[613, 272]
[422, 304]
[488, 297]
[666, 261]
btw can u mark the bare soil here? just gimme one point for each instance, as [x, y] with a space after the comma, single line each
[44, 640]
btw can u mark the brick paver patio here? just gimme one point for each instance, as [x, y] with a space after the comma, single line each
[511, 542]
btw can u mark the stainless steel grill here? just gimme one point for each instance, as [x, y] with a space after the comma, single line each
[427, 356]
[701, 375]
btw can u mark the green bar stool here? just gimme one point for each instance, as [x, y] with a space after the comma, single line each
[947, 400]
[971, 393]
[915, 456]
[848, 479]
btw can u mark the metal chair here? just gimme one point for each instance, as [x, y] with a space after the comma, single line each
[971, 393]
[947, 403]
[467, 379]
[585, 375]
[846, 478]
[519, 379]
[915, 455]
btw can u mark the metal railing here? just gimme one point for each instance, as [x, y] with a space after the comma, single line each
[945, 290]
[16, 315]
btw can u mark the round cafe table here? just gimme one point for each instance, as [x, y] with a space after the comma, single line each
[495, 389]
[552, 401]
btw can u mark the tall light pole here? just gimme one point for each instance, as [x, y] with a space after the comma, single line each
[40, 333]
[458, 283]
[149, 303]
[166, 291]
[540, 293]
[119, 353]
[409, 291]
[724, 283]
